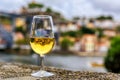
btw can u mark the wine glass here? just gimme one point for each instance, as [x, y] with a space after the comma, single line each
[42, 40]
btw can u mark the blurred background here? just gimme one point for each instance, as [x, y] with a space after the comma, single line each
[86, 33]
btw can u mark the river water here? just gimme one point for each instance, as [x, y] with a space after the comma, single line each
[69, 62]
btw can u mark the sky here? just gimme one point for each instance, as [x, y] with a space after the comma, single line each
[70, 8]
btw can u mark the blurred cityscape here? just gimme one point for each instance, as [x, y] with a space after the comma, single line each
[82, 36]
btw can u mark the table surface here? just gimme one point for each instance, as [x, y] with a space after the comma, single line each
[18, 71]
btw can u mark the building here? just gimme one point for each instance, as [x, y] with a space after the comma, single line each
[109, 24]
[88, 43]
[109, 32]
[103, 45]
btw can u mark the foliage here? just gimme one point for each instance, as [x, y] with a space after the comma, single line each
[82, 31]
[4, 17]
[76, 18]
[100, 32]
[49, 10]
[20, 29]
[5, 20]
[35, 5]
[63, 19]
[69, 33]
[104, 18]
[65, 44]
[112, 60]
[85, 30]
[58, 16]
[23, 41]
[117, 29]
[57, 13]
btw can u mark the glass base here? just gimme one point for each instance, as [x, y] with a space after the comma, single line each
[42, 73]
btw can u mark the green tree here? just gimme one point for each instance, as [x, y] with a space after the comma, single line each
[76, 18]
[118, 29]
[112, 60]
[5, 20]
[70, 33]
[20, 29]
[85, 30]
[65, 44]
[35, 5]
[109, 17]
[57, 13]
[48, 10]
[82, 31]
[104, 18]
[100, 32]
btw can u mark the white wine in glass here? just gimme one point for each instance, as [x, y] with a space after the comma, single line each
[42, 40]
[42, 46]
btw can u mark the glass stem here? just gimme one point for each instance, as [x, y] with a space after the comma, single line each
[42, 62]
